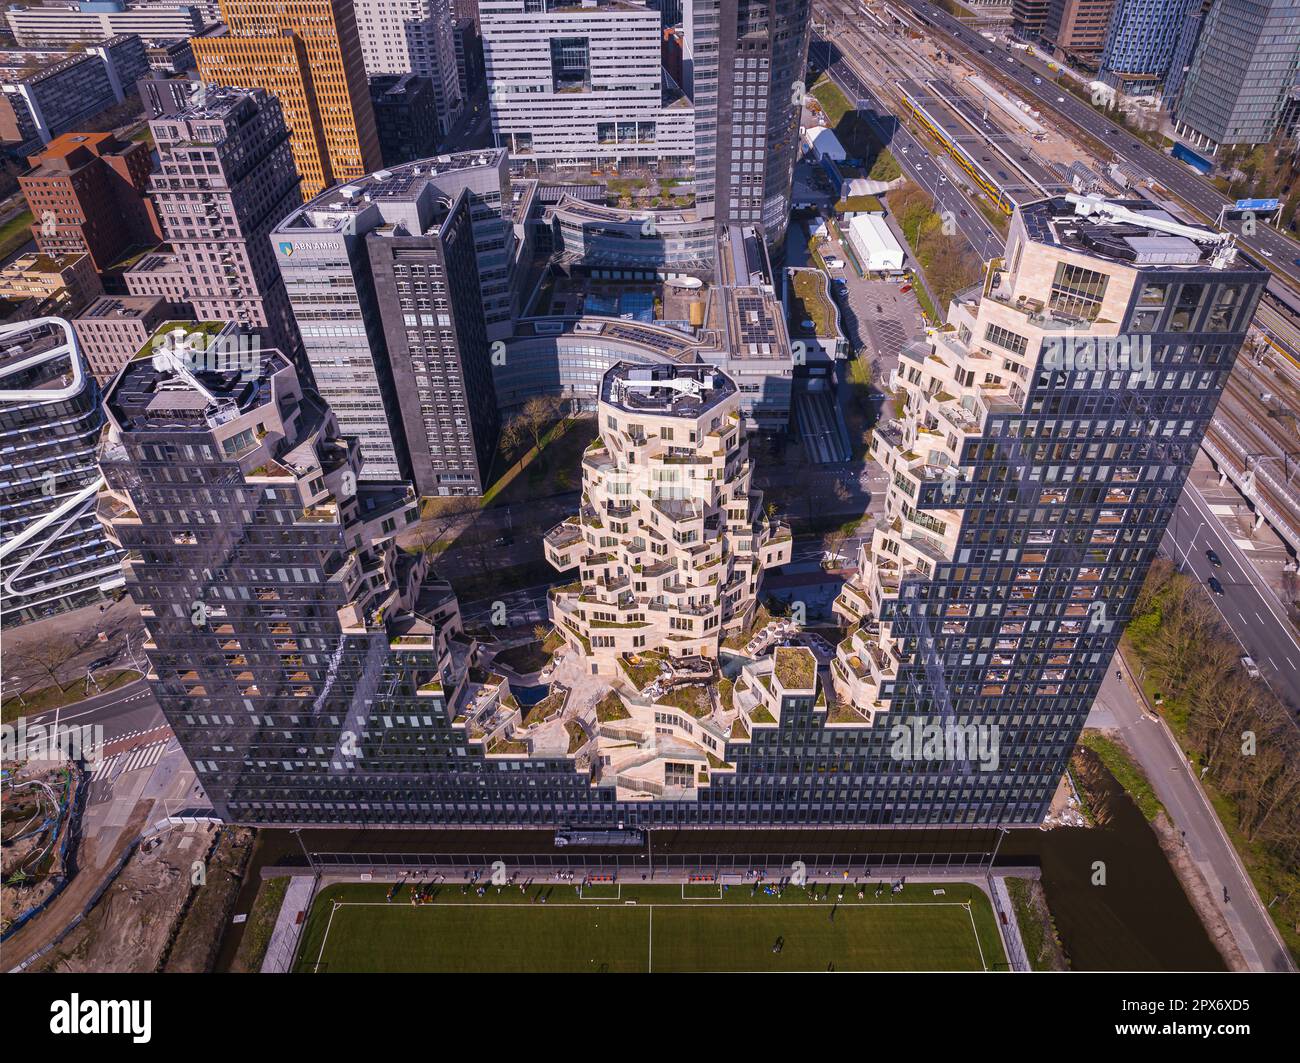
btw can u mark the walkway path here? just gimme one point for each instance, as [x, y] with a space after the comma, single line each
[284, 938]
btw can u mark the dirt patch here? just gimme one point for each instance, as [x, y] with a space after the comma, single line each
[129, 929]
[1198, 892]
[198, 938]
[94, 865]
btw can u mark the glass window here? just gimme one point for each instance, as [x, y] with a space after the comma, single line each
[1077, 292]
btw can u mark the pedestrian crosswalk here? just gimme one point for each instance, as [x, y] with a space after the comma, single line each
[97, 748]
[132, 760]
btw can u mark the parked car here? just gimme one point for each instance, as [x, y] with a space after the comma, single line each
[1252, 669]
[1213, 558]
[1215, 585]
[905, 288]
[834, 263]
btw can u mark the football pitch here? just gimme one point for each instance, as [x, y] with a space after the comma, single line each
[641, 928]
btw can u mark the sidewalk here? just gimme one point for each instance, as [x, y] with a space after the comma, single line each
[288, 926]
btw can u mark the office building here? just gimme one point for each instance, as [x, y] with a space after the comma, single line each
[1140, 43]
[165, 94]
[86, 192]
[37, 285]
[89, 22]
[413, 37]
[395, 342]
[745, 64]
[170, 58]
[1075, 30]
[672, 538]
[406, 117]
[1243, 74]
[719, 279]
[425, 277]
[306, 54]
[1028, 17]
[582, 86]
[225, 176]
[54, 555]
[114, 328]
[1040, 455]
[469, 57]
[42, 96]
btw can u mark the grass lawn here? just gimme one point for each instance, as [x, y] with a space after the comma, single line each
[261, 921]
[351, 928]
[556, 470]
[51, 697]
[15, 232]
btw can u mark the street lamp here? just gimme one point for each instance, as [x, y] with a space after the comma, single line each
[1190, 541]
[297, 833]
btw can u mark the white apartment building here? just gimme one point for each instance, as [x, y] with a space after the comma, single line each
[582, 84]
[413, 37]
[672, 538]
[69, 25]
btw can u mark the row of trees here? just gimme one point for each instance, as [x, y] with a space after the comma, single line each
[948, 261]
[1237, 731]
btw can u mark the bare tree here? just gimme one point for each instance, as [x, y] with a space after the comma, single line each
[50, 660]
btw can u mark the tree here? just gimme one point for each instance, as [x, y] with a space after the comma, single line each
[50, 660]
[539, 414]
[833, 542]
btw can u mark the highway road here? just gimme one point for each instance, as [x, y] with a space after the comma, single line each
[1281, 253]
[915, 161]
[1248, 607]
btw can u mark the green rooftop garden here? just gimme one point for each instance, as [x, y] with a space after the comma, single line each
[795, 667]
[611, 708]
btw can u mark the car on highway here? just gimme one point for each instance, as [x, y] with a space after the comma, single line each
[964, 214]
[1252, 669]
[1213, 558]
[1214, 585]
[1060, 99]
[1266, 252]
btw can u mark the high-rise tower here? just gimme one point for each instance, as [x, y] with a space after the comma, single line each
[55, 555]
[744, 65]
[225, 177]
[305, 53]
[672, 538]
[1044, 444]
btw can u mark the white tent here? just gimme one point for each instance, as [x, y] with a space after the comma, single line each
[874, 244]
[825, 144]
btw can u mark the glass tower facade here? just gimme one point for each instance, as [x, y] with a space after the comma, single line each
[745, 64]
[1141, 40]
[1243, 73]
